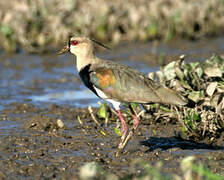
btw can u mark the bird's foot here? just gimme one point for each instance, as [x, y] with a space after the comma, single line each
[123, 137]
[124, 142]
[120, 148]
[118, 153]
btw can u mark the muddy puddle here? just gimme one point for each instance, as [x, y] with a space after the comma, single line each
[41, 97]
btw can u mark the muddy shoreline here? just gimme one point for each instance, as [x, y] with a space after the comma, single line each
[42, 97]
[36, 147]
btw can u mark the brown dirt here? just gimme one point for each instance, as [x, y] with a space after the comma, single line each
[36, 147]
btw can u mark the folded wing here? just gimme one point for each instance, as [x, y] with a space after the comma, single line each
[125, 84]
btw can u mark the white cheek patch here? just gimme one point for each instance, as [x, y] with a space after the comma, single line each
[72, 49]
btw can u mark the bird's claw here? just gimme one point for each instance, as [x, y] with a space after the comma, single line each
[119, 152]
[124, 141]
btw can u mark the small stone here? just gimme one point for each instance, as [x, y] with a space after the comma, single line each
[60, 123]
[89, 171]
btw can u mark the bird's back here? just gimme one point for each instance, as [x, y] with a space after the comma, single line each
[125, 84]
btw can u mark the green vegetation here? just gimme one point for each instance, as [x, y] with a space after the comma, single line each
[202, 83]
[40, 25]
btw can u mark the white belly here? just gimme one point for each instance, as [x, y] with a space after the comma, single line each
[101, 94]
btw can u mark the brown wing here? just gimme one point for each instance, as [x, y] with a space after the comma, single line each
[124, 84]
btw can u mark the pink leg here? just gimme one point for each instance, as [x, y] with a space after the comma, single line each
[135, 126]
[124, 125]
[136, 120]
[124, 141]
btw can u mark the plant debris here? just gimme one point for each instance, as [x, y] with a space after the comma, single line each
[203, 84]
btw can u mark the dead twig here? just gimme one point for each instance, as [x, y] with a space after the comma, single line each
[179, 117]
[93, 116]
[106, 121]
[141, 113]
[95, 120]
[81, 123]
[113, 111]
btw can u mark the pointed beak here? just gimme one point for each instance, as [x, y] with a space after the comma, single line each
[64, 50]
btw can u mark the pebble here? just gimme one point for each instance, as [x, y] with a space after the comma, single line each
[60, 123]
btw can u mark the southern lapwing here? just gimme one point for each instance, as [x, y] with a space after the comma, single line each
[117, 83]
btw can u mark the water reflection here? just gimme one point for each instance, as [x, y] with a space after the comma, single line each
[74, 97]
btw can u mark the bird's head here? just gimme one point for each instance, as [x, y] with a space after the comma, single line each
[80, 46]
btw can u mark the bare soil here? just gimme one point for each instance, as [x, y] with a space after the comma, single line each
[37, 147]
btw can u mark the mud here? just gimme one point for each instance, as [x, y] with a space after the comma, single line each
[41, 138]
[34, 145]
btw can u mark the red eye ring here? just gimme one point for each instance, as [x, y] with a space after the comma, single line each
[74, 42]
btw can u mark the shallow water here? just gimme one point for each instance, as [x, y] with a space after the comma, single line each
[51, 79]
[37, 90]
[46, 79]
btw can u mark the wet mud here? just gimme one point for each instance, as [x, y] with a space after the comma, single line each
[41, 101]
[50, 143]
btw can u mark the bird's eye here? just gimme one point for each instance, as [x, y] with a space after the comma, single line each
[74, 42]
